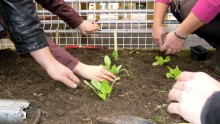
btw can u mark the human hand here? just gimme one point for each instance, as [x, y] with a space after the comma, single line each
[158, 34]
[190, 93]
[93, 72]
[86, 27]
[61, 73]
[55, 70]
[172, 44]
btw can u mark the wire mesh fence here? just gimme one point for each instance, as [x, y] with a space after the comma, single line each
[130, 19]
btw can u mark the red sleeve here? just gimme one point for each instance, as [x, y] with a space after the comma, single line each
[62, 10]
[62, 55]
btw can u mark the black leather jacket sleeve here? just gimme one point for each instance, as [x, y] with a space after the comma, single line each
[23, 25]
[211, 111]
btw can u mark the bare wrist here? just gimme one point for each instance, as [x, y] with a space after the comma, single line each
[179, 35]
[78, 67]
[157, 24]
[81, 24]
[44, 57]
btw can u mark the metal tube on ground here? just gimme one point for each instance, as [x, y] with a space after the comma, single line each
[13, 111]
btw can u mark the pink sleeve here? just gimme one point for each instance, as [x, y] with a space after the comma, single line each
[163, 1]
[206, 10]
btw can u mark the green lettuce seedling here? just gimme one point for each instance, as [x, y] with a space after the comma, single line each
[173, 73]
[102, 89]
[113, 69]
[107, 62]
[160, 60]
[115, 55]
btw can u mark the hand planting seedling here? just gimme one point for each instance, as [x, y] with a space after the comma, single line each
[173, 73]
[102, 89]
[160, 60]
[113, 69]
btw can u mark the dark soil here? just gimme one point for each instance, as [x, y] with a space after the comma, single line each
[143, 94]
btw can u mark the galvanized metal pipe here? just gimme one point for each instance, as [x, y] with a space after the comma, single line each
[12, 111]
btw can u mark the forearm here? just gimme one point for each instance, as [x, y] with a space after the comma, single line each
[159, 13]
[62, 55]
[43, 57]
[189, 25]
[206, 10]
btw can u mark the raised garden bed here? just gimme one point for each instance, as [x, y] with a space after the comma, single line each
[143, 94]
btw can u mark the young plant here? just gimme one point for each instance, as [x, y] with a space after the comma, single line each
[102, 89]
[115, 55]
[113, 69]
[160, 60]
[173, 73]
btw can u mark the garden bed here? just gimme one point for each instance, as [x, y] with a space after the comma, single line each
[143, 94]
